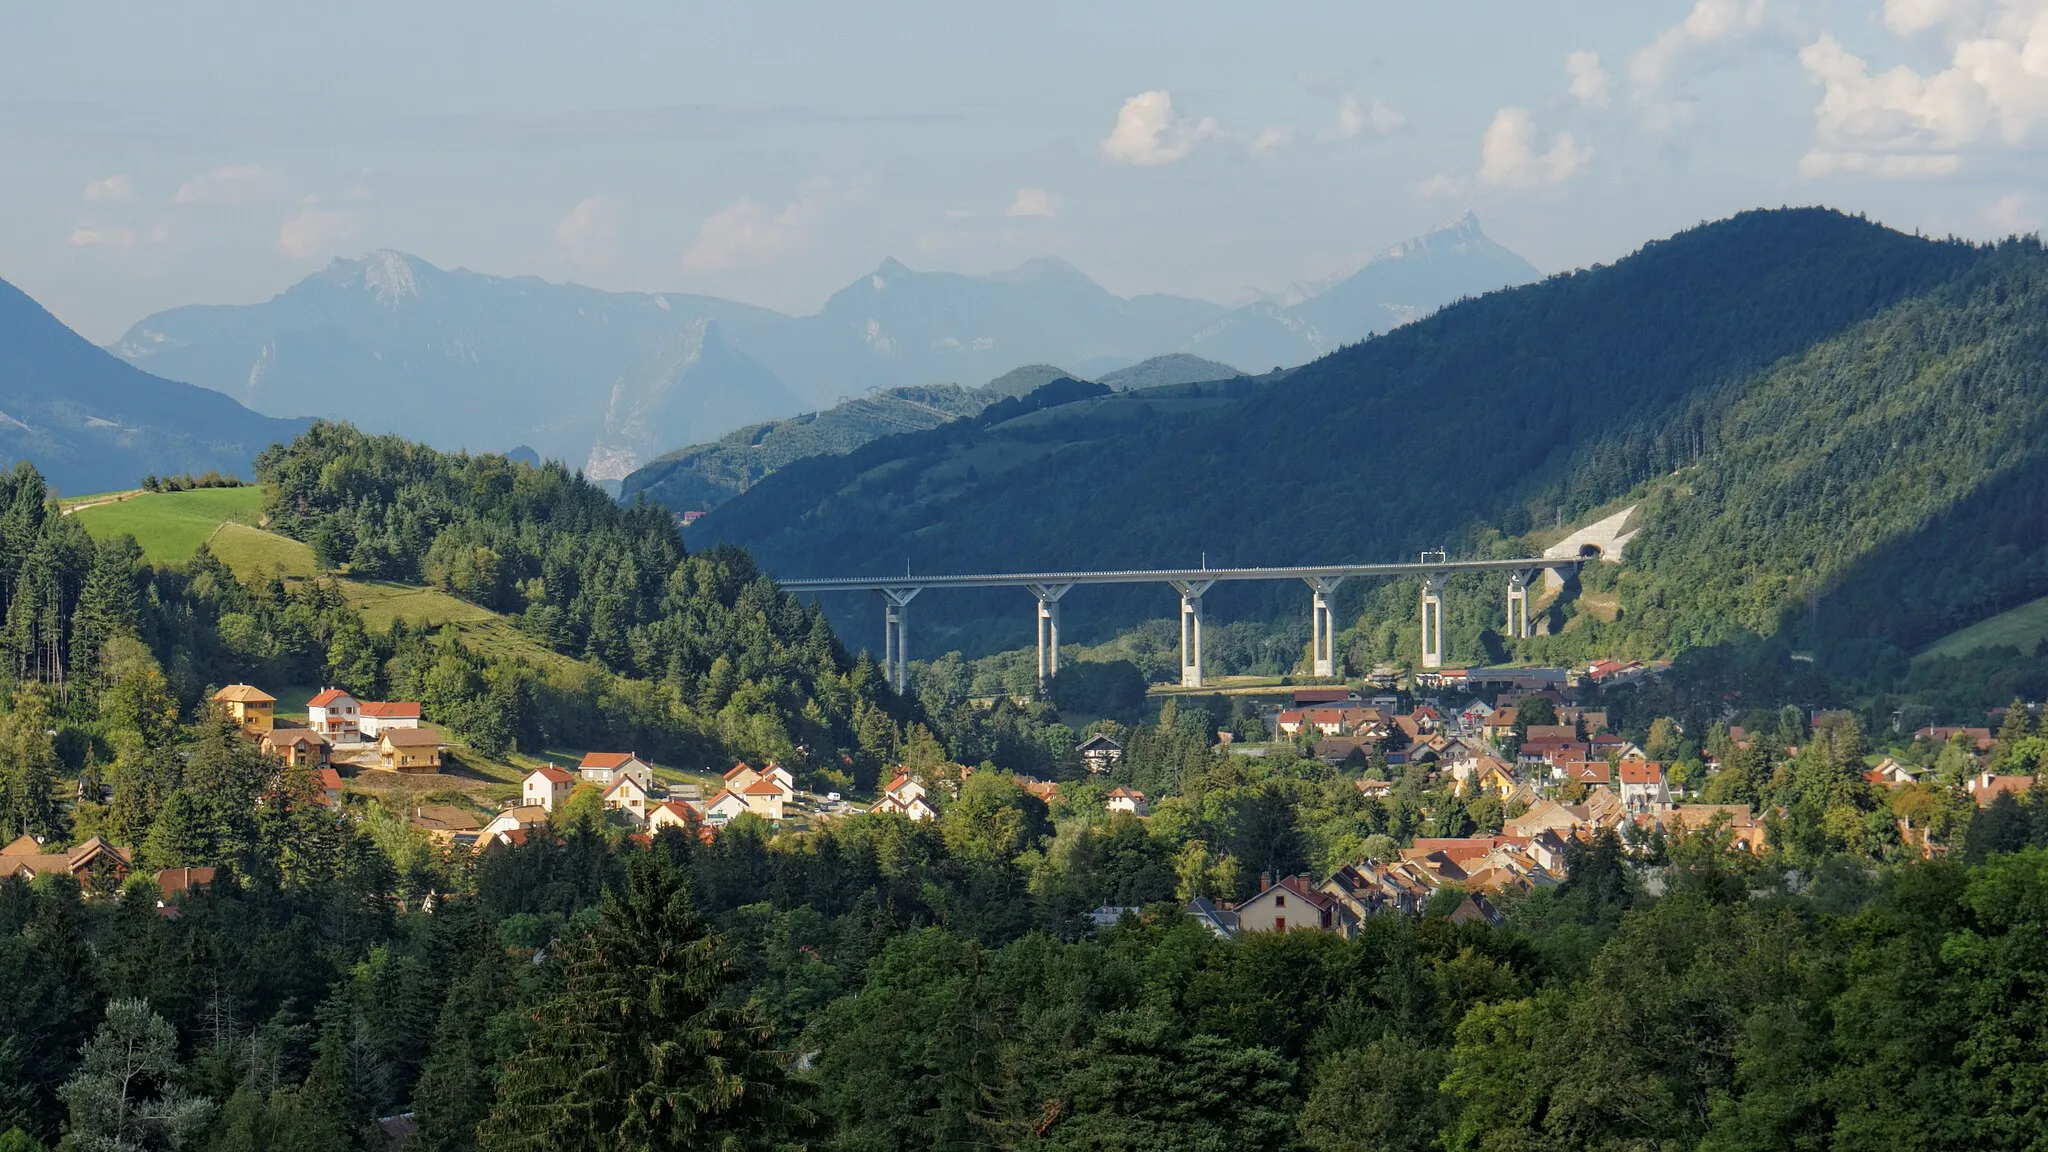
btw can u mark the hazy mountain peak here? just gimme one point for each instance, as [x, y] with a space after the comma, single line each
[389, 276]
[890, 269]
[1466, 222]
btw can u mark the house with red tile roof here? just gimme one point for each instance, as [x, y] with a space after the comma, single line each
[765, 798]
[1642, 785]
[1987, 787]
[605, 768]
[336, 715]
[1292, 904]
[674, 814]
[546, 788]
[374, 716]
[1129, 800]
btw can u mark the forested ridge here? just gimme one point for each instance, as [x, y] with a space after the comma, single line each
[1734, 377]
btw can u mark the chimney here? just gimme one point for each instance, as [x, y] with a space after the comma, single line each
[1265, 881]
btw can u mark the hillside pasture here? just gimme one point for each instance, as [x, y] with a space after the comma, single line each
[2021, 627]
[170, 526]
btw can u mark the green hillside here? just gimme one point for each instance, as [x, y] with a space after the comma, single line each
[1834, 426]
[703, 476]
[171, 526]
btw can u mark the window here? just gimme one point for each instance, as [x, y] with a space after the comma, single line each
[1279, 923]
[1280, 901]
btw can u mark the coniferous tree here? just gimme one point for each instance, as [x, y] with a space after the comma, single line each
[28, 766]
[636, 1051]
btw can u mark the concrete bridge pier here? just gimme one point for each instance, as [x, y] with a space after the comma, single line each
[1322, 626]
[1191, 629]
[895, 643]
[1433, 619]
[1518, 605]
[1048, 633]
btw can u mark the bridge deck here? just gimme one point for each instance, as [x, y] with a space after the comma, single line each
[1171, 575]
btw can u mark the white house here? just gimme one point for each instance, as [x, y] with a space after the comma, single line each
[547, 787]
[605, 768]
[1129, 800]
[374, 716]
[336, 715]
[724, 807]
[905, 797]
[1642, 785]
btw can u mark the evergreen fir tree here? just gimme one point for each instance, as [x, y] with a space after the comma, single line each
[636, 1052]
[28, 765]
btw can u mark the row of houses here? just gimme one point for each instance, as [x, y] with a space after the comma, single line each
[333, 717]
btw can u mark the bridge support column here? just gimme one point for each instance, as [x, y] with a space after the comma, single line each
[1322, 625]
[1191, 630]
[1433, 619]
[1048, 633]
[895, 639]
[1518, 605]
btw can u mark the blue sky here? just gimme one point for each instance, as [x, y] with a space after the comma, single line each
[155, 155]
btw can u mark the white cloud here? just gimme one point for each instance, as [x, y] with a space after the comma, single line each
[231, 184]
[1443, 187]
[1709, 22]
[2009, 215]
[748, 234]
[1907, 17]
[589, 233]
[1355, 118]
[1589, 79]
[1272, 138]
[115, 187]
[1508, 157]
[95, 236]
[1817, 165]
[1994, 91]
[1035, 202]
[1148, 132]
[312, 234]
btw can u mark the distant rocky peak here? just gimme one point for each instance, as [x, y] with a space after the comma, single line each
[887, 272]
[390, 276]
[1466, 224]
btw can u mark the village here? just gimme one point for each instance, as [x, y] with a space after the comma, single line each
[1567, 781]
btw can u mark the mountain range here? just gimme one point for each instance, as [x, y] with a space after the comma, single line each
[1837, 434]
[92, 423]
[612, 379]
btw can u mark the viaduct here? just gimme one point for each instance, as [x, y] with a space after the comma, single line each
[1048, 588]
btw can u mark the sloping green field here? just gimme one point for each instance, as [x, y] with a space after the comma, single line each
[170, 526]
[2022, 627]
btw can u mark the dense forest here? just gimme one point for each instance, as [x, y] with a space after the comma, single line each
[884, 984]
[1886, 388]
